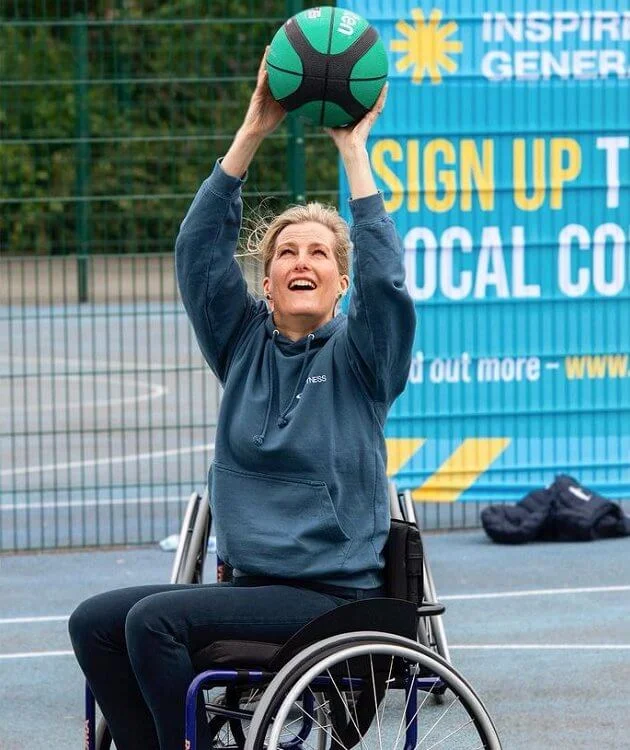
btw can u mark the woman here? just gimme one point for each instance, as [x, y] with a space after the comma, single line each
[298, 484]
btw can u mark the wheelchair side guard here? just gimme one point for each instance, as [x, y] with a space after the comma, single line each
[384, 615]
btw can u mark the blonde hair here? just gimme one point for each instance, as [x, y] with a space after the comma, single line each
[262, 239]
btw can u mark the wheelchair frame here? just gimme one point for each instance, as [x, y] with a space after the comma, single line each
[430, 649]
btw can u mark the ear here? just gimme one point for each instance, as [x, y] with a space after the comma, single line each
[344, 283]
[266, 285]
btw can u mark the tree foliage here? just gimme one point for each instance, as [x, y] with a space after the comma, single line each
[113, 112]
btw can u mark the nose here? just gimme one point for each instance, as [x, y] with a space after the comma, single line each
[302, 260]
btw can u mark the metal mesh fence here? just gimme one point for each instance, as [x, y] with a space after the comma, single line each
[112, 113]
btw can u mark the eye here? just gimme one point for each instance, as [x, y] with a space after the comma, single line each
[321, 251]
[283, 251]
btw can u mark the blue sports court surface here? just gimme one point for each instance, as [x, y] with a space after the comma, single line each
[542, 632]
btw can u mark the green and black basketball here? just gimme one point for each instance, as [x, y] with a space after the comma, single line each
[327, 65]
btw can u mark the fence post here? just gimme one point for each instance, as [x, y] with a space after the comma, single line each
[295, 144]
[82, 156]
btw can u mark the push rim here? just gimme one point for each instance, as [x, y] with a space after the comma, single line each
[461, 722]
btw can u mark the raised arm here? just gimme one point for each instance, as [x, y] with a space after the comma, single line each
[263, 116]
[212, 286]
[381, 316]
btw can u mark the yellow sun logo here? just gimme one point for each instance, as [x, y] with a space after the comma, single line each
[427, 46]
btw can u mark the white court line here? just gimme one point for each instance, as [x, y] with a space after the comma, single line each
[119, 366]
[35, 654]
[534, 592]
[104, 503]
[29, 620]
[155, 391]
[456, 647]
[541, 647]
[105, 461]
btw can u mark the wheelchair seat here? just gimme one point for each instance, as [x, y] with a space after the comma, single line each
[385, 615]
[236, 655]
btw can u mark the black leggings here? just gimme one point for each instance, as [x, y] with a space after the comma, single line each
[134, 645]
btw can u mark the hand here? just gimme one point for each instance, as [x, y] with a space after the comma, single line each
[353, 138]
[264, 114]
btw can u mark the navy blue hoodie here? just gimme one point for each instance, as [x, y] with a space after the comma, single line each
[298, 483]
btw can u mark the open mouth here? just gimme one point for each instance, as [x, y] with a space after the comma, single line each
[302, 285]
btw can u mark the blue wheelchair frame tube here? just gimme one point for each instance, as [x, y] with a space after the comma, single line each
[89, 727]
[213, 676]
[411, 713]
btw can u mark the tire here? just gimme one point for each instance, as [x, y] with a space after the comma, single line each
[434, 625]
[190, 555]
[378, 664]
[103, 739]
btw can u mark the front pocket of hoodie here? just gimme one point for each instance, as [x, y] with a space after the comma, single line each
[279, 527]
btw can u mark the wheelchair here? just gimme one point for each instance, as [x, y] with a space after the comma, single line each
[374, 673]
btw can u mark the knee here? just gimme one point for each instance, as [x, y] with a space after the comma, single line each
[83, 625]
[142, 621]
[96, 624]
[152, 624]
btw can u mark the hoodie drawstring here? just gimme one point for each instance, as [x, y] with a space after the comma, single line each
[282, 419]
[258, 439]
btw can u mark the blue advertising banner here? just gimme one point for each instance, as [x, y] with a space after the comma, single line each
[504, 158]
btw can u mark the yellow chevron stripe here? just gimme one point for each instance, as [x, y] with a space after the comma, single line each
[399, 451]
[461, 469]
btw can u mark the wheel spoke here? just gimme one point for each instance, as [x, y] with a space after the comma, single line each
[378, 721]
[415, 669]
[453, 702]
[343, 712]
[323, 727]
[387, 683]
[343, 700]
[450, 734]
[295, 721]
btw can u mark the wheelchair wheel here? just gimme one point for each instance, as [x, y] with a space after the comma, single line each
[434, 625]
[103, 738]
[431, 631]
[373, 689]
[229, 712]
[228, 715]
[190, 555]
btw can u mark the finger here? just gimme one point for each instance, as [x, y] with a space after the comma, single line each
[370, 118]
[262, 68]
[365, 125]
[379, 105]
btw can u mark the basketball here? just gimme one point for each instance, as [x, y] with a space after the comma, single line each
[327, 65]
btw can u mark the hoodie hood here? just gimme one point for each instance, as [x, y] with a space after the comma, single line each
[305, 348]
[319, 336]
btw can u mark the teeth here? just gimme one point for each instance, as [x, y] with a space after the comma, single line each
[302, 285]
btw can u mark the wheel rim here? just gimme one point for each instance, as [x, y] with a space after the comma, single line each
[460, 722]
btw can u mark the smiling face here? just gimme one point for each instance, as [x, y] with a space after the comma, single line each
[304, 282]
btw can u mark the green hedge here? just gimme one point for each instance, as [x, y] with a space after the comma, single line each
[111, 114]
